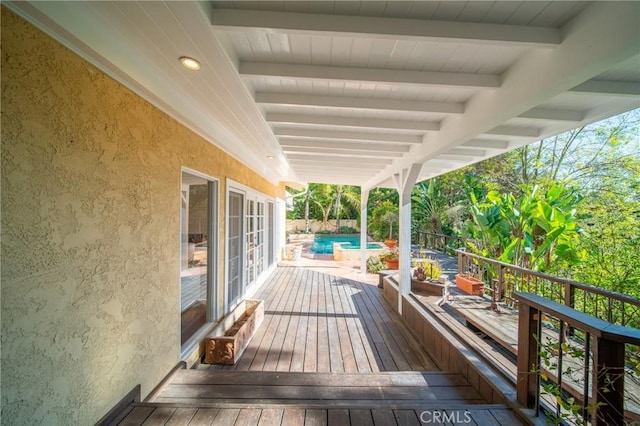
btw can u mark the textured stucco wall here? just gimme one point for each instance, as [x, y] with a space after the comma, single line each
[90, 232]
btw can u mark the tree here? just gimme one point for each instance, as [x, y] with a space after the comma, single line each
[433, 209]
[384, 217]
[530, 231]
[351, 195]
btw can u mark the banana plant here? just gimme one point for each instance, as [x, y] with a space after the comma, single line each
[531, 230]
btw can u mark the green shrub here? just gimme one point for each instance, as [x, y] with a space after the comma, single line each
[348, 230]
[374, 265]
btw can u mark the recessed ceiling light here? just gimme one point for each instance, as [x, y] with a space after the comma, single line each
[271, 157]
[189, 63]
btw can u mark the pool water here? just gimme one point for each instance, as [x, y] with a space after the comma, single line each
[323, 244]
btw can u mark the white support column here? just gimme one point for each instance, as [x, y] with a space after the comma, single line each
[364, 198]
[407, 181]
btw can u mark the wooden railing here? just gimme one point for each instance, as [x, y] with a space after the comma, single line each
[443, 243]
[597, 356]
[503, 280]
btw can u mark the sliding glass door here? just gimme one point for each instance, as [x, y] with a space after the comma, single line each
[199, 201]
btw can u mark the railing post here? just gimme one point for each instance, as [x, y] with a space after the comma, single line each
[460, 260]
[569, 295]
[608, 383]
[497, 288]
[528, 357]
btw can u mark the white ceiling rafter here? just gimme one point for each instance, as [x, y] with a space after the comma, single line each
[281, 132]
[514, 131]
[553, 114]
[350, 102]
[487, 144]
[342, 152]
[329, 159]
[370, 75]
[340, 145]
[385, 28]
[369, 123]
[608, 88]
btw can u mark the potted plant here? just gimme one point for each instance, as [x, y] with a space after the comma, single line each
[391, 257]
[470, 284]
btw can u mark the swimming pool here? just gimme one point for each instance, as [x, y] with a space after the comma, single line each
[323, 244]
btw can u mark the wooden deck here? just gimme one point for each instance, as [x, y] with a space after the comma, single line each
[329, 352]
[316, 322]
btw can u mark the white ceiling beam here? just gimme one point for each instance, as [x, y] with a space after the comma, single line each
[490, 144]
[539, 75]
[333, 179]
[287, 99]
[332, 170]
[310, 162]
[340, 153]
[453, 158]
[368, 123]
[321, 174]
[384, 28]
[467, 152]
[327, 159]
[345, 135]
[339, 145]
[608, 88]
[553, 114]
[514, 131]
[370, 75]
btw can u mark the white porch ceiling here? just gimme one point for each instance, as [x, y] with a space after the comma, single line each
[355, 91]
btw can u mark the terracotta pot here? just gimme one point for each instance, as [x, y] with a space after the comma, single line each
[392, 263]
[470, 285]
[390, 243]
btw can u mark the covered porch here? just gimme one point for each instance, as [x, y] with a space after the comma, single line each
[101, 121]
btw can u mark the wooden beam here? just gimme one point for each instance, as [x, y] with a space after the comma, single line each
[327, 159]
[608, 88]
[515, 131]
[467, 152]
[490, 144]
[288, 143]
[266, 98]
[384, 28]
[346, 135]
[370, 75]
[553, 114]
[341, 152]
[334, 166]
[369, 123]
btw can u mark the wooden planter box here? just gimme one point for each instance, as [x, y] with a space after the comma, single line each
[470, 285]
[240, 326]
[428, 286]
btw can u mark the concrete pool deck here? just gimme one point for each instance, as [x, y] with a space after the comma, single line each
[325, 262]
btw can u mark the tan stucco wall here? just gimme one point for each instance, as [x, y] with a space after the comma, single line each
[90, 232]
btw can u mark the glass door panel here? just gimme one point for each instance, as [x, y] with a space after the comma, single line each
[196, 268]
[235, 256]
